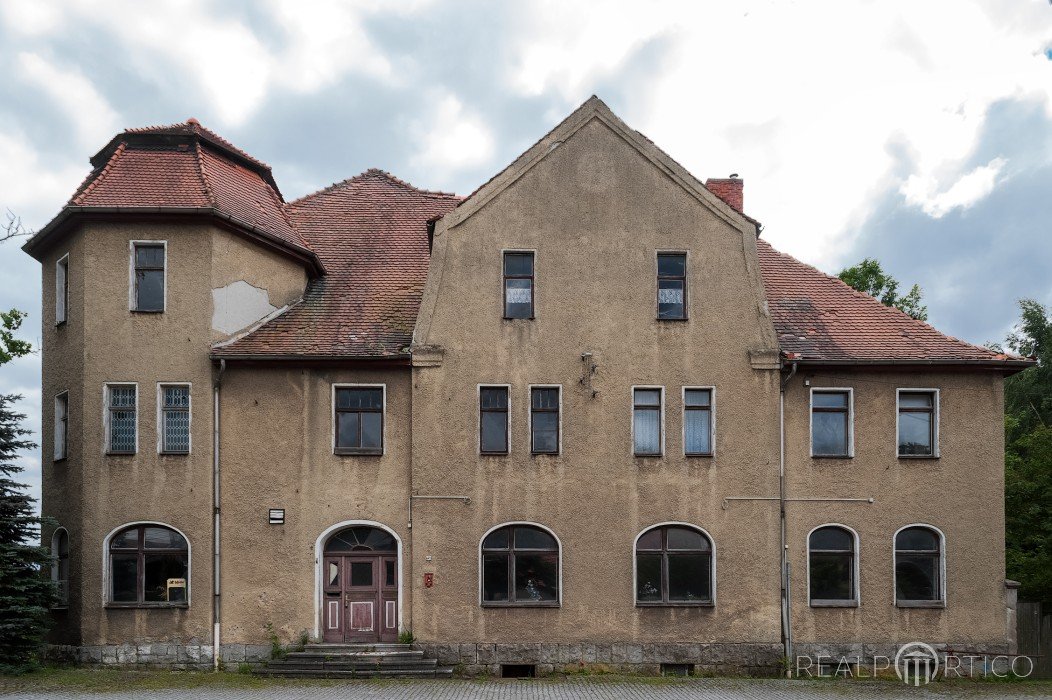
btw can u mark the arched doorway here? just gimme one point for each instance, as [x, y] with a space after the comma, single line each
[360, 580]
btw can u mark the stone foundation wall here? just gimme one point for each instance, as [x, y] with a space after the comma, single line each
[730, 659]
[158, 655]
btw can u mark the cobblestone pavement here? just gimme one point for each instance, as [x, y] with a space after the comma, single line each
[575, 689]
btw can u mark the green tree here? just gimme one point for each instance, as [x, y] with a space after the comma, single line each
[868, 276]
[1028, 456]
[25, 594]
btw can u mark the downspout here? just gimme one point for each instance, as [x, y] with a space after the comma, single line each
[215, 514]
[787, 630]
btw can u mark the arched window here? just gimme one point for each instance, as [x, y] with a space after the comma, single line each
[520, 566]
[149, 565]
[361, 538]
[60, 566]
[673, 566]
[918, 566]
[832, 566]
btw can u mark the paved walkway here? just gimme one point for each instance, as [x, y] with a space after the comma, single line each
[577, 689]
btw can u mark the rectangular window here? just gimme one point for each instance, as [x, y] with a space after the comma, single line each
[831, 423]
[61, 289]
[148, 277]
[359, 420]
[697, 422]
[61, 424]
[493, 420]
[175, 418]
[646, 422]
[544, 420]
[672, 286]
[121, 438]
[918, 424]
[518, 284]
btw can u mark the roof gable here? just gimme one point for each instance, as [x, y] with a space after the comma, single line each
[593, 109]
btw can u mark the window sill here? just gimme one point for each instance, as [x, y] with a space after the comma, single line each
[832, 456]
[169, 453]
[59, 324]
[518, 318]
[147, 311]
[918, 456]
[505, 453]
[147, 606]
[833, 603]
[522, 605]
[692, 455]
[56, 460]
[684, 604]
[930, 604]
[544, 454]
[120, 454]
[674, 320]
[351, 452]
[647, 455]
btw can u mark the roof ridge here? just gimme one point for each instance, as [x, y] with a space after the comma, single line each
[879, 304]
[374, 172]
[205, 180]
[117, 153]
[195, 127]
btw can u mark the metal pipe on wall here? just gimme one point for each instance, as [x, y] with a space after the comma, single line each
[215, 515]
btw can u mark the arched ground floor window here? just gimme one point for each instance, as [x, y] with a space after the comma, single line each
[148, 565]
[520, 566]
[674, 566]
[832, 561]
[919, 567]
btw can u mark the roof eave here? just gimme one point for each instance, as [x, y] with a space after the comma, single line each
[1009, 365]
[54, 229]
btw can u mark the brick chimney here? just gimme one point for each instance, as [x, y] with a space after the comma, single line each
[729, 189]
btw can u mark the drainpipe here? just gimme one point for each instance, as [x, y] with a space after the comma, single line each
[215, 514]
[787, 633]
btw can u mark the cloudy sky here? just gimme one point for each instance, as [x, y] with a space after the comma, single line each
[918, 133]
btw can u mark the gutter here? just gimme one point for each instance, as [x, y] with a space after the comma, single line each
[215, 515]
[1009, 363]
[69, 212]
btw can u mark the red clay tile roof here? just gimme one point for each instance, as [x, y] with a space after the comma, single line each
[371, 234]
[819, 317]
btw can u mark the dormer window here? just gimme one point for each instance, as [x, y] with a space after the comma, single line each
[148, 276]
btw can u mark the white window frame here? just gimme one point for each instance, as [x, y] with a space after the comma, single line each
[478, 411]
[936, 411]
[131, 274]
[500, 281]
[558, 543]
[941, 602]
[64, 434]
[106, 591]
[857, 582]
[189, 418]
[712, 421]
[62, 290]
[712, 568]
[529, 420]
[63, 585]
[106, 418]
[661, 425]
[850, 420]
[383, 415]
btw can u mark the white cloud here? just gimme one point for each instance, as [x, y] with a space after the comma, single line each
[923, 191]
[88, 112]
[450, 138]
[30, 17]
[34, 188]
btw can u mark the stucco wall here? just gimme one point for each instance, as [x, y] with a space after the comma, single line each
[596, 211]
[961, 493]
[277, 453]
[93, 493]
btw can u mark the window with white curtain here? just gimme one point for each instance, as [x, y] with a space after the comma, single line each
[646, 421]
[697, 422]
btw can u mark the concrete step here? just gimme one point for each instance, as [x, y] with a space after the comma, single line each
[439, 672]
[340, 654]
[359, 647]
[351, 665]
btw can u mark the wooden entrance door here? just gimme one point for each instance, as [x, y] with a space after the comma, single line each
[359, 595]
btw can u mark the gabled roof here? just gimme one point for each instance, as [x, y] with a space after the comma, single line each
[371, 233]
[182, 169]
[819, 318]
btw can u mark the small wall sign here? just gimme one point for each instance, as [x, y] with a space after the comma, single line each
[277, 516]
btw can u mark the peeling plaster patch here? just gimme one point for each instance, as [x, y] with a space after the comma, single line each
[239, 305]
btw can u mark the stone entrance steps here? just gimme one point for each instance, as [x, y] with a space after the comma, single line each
[356, 661]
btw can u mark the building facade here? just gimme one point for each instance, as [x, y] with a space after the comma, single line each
[585, 415]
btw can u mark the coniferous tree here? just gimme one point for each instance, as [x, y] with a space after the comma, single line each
[25, 593]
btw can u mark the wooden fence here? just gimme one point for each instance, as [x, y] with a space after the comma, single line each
[1034, 635]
